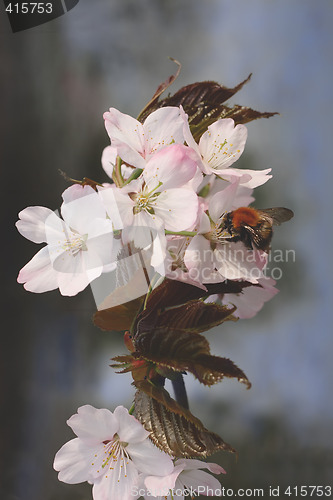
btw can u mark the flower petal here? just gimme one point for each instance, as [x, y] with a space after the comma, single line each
[234, 261]
[109, 157]
[160, 485]
[163, 127]
[38, 275]
[74, 462]
[127, 135]
[149, 459]
[177, 208]
[222, 144]
[81, 206]
[118, 205]
[198, 478]
[32, 223]
[222, 201]
[117, 483]
[93, 425]
[129, 428]
[172, 166]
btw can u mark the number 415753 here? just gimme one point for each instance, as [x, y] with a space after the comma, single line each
[309, 491]
[29, 8]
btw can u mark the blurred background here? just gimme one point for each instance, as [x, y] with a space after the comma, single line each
[56, 81]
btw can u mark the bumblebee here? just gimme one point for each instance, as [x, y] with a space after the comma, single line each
[253, 226]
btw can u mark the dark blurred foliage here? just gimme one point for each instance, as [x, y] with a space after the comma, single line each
[52, 357]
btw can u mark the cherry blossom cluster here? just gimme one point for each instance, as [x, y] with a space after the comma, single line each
[113, 453]
[168, 200]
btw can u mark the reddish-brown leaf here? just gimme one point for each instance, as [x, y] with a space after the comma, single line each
[194, 316]
[119, 317]
[173, 428]
[186, 351]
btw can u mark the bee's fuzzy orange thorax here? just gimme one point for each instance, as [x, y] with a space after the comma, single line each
[245, 216]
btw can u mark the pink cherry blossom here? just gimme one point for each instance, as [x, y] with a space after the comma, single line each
[251, 300]
[136, 143]
[187, 476]
[160, 199]
[210, 257]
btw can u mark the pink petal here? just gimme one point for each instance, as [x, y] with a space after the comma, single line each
[127, 135]
[172, 166]
[163, 127]
[222, 201]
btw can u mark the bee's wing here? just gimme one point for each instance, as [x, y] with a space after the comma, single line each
[256, 237]
[277, 214]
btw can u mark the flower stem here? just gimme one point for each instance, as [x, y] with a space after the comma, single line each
[180, 390]
[131, 410]
[181, 233]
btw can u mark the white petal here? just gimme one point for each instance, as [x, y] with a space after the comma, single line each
[192, 463]
[93, 425]
[116, 483]
[196, 478]
[108, 160]
[81, 206]
[38, 274]
[149, 459]
[163, 127]
[74, 462]
[129, 428]
[177, 208]
[118, 205]
[162, 484]
[247, 178]
[172, 166]
[222, 144]
[234, 261]
[32, 223]
[127, 135]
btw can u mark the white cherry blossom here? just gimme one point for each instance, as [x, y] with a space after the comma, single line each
[79, 246]
[219, 147]
[110, 451]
